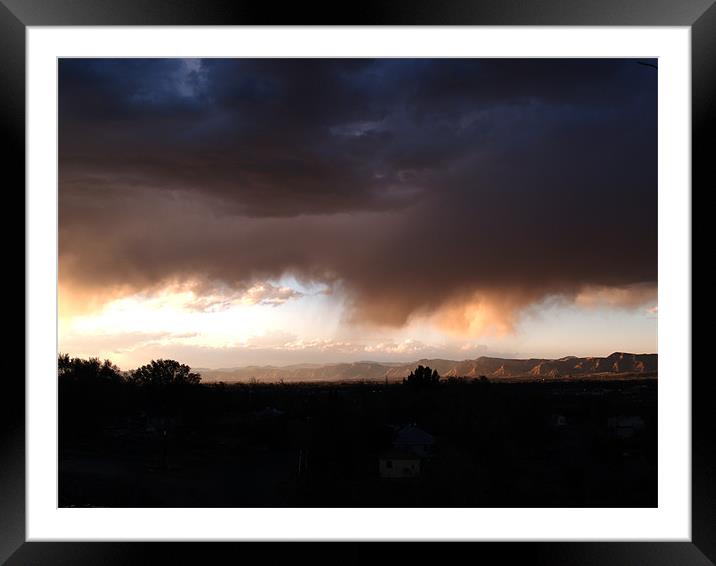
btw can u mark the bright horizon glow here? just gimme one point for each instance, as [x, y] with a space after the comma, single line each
[283, 322]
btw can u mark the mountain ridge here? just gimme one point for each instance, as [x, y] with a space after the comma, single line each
[617, 363]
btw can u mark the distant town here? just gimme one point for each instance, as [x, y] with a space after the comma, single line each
[161, 436]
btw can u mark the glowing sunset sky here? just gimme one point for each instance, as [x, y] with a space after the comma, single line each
[276, 211]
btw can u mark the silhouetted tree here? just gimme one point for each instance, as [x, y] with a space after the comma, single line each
[63, 364]
[87, 372]
[422, 377]
[89, 391]
[164, 373]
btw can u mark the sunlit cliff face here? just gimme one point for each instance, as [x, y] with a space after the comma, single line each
[227, 212]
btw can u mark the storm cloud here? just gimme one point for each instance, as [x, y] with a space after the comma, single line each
[465, 187]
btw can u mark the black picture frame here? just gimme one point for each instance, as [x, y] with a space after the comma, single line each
[16, 15]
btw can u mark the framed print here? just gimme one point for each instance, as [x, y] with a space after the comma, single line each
[424, 275]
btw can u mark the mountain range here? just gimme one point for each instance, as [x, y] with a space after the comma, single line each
[614, 365]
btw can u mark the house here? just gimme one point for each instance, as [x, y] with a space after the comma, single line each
[414, 440]
[625, 426]
[398, 464]
[557, 421]
[268, 413]
[160, 424]
[411, 445]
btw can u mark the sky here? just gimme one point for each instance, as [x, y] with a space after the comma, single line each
[230, 212]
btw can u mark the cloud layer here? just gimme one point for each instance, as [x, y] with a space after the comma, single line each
[468, 189]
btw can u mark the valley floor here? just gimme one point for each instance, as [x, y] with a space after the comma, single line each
[484, 444]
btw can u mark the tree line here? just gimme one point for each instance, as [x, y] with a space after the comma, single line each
[157, 374]
[170, 374]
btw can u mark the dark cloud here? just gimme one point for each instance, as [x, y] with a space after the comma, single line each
[411, 182]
